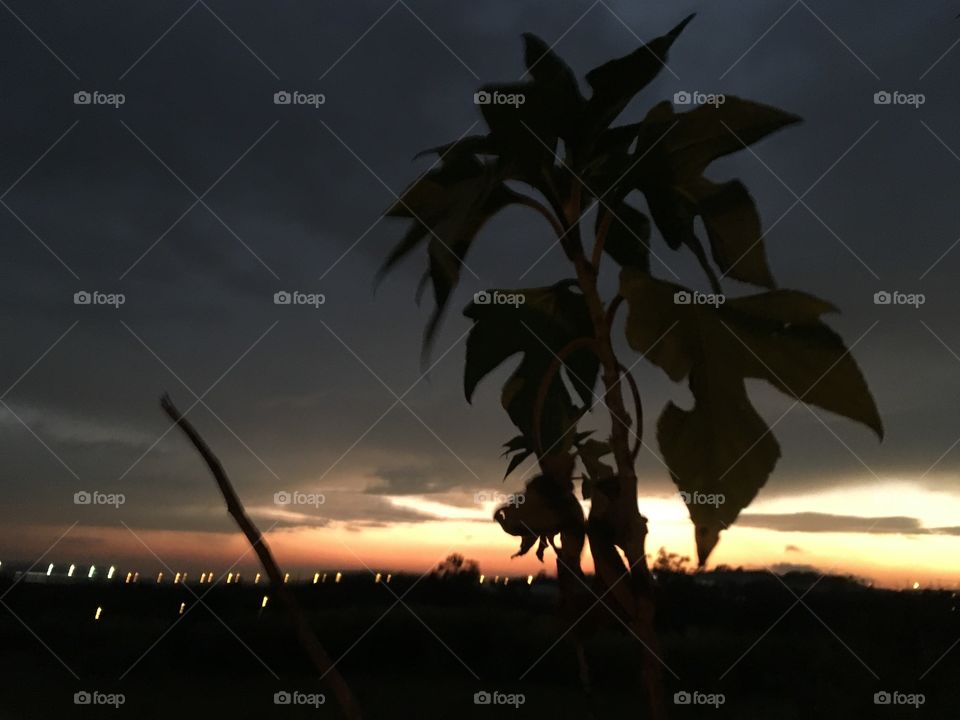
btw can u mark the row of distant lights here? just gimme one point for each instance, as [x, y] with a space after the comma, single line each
[235, 577]
[317, 577]
[232, 578]
[506, 580]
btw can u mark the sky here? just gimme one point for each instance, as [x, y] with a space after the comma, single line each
[198, 198]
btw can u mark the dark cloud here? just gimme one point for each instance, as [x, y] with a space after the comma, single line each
[412, 480]
[824, 522]
[295, 195]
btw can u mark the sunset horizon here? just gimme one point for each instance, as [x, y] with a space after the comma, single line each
[413, 359]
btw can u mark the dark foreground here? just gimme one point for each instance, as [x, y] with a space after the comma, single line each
[739, 639]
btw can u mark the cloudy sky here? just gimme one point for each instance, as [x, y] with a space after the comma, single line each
[198, 198]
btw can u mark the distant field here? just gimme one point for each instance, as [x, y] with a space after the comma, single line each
[420, 662]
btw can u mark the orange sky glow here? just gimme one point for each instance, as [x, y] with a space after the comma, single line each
[890, 559]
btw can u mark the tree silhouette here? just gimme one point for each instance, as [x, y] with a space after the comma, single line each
[455, 567]
[544, 135]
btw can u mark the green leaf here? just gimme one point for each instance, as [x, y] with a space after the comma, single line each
[520, 445]
[558, 415]
[733, 228]
[799, 355]
[776, 336]
[674, 150]
[515, 462]
[545, 66]
[517, 442]
[628, 237]
[539, 328]
[722, 445]
[548, 107]
[719, 449]
[705, 134]
[447, 208]
[615, 83]
[557, 86]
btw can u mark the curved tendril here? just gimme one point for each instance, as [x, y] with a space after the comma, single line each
[637, 411]
[612, 309]
[547, 380]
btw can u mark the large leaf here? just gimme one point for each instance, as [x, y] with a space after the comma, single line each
[544, 109]
[707, 133]
[539, 328]
[615, 83]
[525, 131]
[720, 453]
[733, 228]
[628, 235]
[673, 151]
[558, 414]
[555, 81]
[722, 446]
[800, 355]
[446, 208]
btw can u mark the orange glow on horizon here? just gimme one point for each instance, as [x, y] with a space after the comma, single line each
[887, 559]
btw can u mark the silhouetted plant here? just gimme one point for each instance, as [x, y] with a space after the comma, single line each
[560, 145]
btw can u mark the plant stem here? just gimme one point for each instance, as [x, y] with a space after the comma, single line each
[616, 521]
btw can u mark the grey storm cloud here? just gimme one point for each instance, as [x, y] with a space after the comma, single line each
[199, 198]
[813, 522]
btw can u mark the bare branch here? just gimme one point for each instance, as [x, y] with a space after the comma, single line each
[305, 634]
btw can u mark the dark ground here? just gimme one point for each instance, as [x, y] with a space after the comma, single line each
[817, 661]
